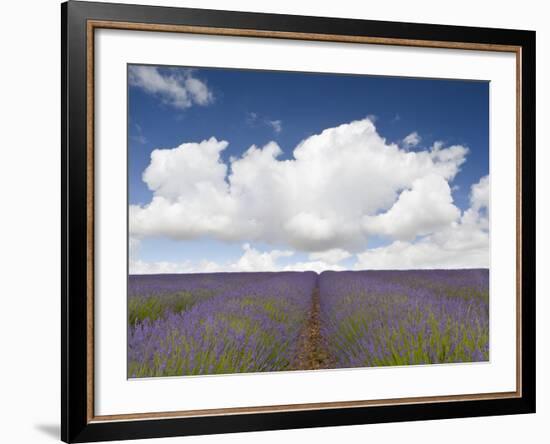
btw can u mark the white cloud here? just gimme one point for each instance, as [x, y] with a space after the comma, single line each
[332, 256]
[254, 260]
[198, 90]
[177, 88]
[277, 125]
[181, 172]
[254, 119]
[251, 260]
[133, 247]
[461, 243]
[167, 267]
[317, 266]
[425, 208]
[423, 255]
[161, 267]
[412, 140]
[315, 201]
[478, 213]
[479, 195]
[464, 243]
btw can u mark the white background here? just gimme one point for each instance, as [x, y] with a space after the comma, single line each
[117, 395]
[29, 222]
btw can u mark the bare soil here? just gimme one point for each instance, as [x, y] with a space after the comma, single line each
[312, 354]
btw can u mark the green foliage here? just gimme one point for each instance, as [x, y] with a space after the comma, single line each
[156, 306]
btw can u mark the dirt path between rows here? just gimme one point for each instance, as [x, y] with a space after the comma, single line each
[312, 352]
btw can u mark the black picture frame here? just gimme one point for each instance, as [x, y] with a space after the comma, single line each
[76, 423]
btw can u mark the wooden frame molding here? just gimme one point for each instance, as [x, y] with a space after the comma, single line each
[80, 20]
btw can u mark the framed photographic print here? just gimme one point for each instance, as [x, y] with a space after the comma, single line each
[276, 221]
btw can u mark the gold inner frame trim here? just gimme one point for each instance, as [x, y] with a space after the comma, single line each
[97, 24]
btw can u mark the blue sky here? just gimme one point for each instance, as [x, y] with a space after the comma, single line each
[171, 106]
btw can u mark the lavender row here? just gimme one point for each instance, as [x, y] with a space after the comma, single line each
[380, 318]
[154, 296]
[249, 328]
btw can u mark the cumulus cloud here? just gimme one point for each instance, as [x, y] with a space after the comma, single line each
[254, 260]
[422, 255]
[332, 256]
[181, 172]
[329, 195]
[478, 213]
[463, 243]
[174, 87]
[412, 140]
[425, 208]
[317, 266]
[139, 266]
[251, 260]
[479, 195]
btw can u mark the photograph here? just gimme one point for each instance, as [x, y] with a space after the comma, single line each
[300, 221]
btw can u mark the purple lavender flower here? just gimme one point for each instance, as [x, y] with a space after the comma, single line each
[375, 318]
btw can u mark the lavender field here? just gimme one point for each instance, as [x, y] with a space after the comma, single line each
[223, 323]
